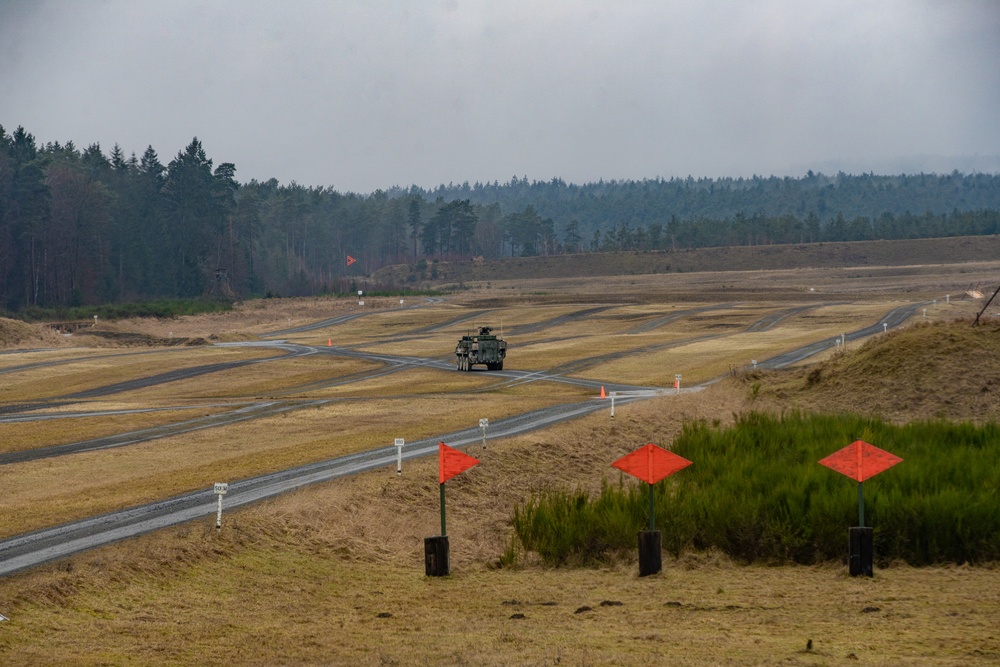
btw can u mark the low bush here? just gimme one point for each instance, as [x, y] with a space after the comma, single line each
[757, 493]
[164, 308]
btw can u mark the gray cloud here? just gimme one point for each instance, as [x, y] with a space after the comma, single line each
[366, 95]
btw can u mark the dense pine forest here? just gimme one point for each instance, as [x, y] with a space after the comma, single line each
[89, 227]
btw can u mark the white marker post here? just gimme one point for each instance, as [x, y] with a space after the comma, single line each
[677, 383]
[220, 490]
[483, 423]
[360, 302]
[612, 395]
[399, 456]
[754, 362]
[885, 327]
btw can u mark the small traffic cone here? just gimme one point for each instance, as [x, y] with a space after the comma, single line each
[329, 342]
[602, 392]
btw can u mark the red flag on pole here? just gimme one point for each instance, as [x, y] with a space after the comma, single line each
[651, 463]
[452, 462]
[859, 460]
[350, 260]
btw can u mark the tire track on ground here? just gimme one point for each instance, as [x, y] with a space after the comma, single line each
[667, 319]
[774, 319]
[180, 374]
[340, 319]
[244, 413]
[535, 327]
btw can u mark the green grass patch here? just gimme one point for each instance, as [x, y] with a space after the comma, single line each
[757, 493]
[163, 308]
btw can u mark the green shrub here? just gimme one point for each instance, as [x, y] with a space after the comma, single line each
[164, 308]
[757, 493]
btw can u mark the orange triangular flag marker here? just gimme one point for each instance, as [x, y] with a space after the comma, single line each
[859, 460]
[350, 260]
[452, 462]
[651, 463]
[602, 392]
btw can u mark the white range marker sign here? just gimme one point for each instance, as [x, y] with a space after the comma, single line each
[221, 488]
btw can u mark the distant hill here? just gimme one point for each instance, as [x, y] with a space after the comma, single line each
[732, 258]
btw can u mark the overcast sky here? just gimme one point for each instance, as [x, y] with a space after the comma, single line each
[366, 95]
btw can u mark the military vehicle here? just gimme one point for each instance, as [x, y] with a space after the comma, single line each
[483, 348]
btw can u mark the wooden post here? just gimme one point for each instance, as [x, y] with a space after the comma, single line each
[650, 556]
[862, 552]
[436, 556]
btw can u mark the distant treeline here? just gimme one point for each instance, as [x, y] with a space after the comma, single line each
[86, 227]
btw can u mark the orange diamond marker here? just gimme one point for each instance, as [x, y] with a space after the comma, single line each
[651, 463]
[859, 460]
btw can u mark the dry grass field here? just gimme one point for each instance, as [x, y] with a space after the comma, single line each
[333, 574]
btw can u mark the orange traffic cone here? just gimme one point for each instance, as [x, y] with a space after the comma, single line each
[602, 392]
[329, 342]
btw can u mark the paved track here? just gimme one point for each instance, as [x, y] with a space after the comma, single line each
[891, 320]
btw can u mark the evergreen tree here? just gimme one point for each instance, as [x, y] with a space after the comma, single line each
[414, 221]
[195, 216]
[571, 238]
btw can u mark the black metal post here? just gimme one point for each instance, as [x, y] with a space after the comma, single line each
[862, 551]
[650, 557]
[436, 556]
